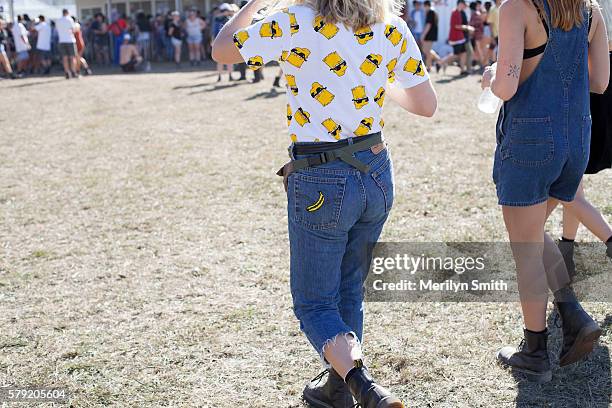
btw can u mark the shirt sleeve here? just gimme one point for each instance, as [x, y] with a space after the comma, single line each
[265, 40]
[409, 70]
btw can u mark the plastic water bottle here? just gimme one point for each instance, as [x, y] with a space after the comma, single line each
[488, 102]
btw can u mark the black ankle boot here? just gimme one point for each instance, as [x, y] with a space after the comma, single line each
[531, 357]
[328, 390]
[609, 249]
[580, 331]
[567, 250]
[369, 394]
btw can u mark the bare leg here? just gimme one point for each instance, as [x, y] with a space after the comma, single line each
[525, 227]
[66, 63]
[177, 54]
[580, 210]
[342, 353]
[427, 51]
[5, 64]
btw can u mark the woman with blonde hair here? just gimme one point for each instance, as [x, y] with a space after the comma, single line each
[551, 52]
[337, 57]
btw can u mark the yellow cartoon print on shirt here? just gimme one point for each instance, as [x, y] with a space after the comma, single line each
[404, 46]
[414, 66]
[284, 55]
[289, 115]
[293, 137]
[382, 123]
[365, 126]
[255, 62]
[293, 24]
[392, 34]
[270, 30]
[327, 30]
[321, 94]
[370, 64]
[291, 84]
[301, 117]
[391, 67]
[298, 56]
[240, 38]
[332, 127]
[364, 34]
[360, 99]
[335, 63]
[379, 98]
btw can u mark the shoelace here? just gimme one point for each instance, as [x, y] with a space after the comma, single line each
[320, 375]
[521, 345]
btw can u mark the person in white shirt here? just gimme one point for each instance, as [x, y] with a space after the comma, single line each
[43, 43]
[22, 45]
[339, 57]
[67, 43]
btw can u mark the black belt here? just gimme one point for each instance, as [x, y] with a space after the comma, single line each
[314, 148]
[327, 152]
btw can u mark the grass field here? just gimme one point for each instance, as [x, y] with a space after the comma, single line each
[144, 254]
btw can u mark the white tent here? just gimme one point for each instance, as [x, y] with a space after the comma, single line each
[51, 9]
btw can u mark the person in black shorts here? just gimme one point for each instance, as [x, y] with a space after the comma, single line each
[430, 34]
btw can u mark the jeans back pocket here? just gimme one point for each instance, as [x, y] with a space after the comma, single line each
[316, 201]
[383, 177]
[531, 141]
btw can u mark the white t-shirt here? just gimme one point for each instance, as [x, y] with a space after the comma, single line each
[65, 29]
[193, 27]
[19, 31]
[44, 36]
[336, 78]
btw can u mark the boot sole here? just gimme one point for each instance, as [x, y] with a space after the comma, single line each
[390, 402]
[583, 346]
[316, 403]
[531, 376]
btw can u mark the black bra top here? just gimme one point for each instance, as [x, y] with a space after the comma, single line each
[534, 52]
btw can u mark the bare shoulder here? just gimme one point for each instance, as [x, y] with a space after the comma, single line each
[516, 10]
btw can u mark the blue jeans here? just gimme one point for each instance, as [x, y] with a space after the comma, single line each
[336, 214]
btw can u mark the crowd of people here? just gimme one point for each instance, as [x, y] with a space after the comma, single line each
[32, 45]
[472, 37]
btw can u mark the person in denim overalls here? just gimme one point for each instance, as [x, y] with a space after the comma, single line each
[543, 136]
[339, 182]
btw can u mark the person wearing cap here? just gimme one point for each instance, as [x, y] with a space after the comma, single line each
[130, 59]
[175, 32]
[339, 183]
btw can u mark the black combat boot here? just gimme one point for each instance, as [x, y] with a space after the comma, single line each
[328, 390]
[567, 250]
[367, 393]
[531, 357]
[580, 331]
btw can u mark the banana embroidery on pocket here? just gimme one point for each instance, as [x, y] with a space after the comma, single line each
[318, 204]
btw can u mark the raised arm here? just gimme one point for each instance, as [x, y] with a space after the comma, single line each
[599, 60]
[223, 50]
[505, 82]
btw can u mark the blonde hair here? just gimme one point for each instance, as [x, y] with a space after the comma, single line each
[567, 14]
[351, 13]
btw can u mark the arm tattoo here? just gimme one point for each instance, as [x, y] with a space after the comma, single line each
[514, 71]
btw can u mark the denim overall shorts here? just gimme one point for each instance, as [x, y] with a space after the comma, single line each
[544, 132]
